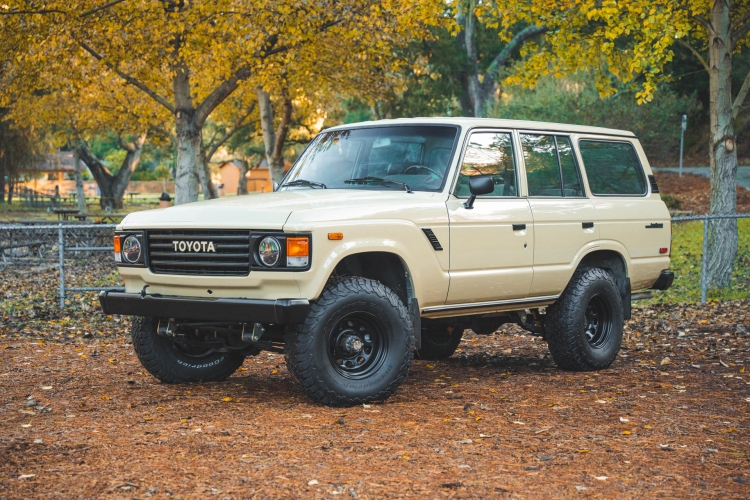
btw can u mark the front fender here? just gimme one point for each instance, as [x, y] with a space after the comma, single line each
[427, 267]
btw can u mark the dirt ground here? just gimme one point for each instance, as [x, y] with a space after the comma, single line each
[694, 192]
[79, 417]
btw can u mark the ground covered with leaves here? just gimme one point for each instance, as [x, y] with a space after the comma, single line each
[79, 416]
[692, 193]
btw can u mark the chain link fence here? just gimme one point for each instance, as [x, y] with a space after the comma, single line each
[61, 246]
[690, 236]
[76, 247]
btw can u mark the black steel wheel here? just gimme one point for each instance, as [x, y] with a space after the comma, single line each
[584, 326]
[598, 318]
[355, 346]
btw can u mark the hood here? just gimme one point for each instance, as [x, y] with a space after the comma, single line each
[265, 210]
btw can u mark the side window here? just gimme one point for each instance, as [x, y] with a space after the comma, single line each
[550, 166]
[612, 168]
[489, 154]
[542, 167]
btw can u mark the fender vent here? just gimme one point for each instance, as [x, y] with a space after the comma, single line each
[433, 239]
[654, 186]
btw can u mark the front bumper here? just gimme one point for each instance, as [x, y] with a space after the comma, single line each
[664, 282]
[279, 311]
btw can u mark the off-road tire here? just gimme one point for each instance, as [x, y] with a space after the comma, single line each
[568, 318]
[309, 351]
[439, 342]
[164, 360]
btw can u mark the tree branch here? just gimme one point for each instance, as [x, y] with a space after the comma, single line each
[133, 81]
[741, 95]
[695, 52]
[705, 22]
[102, 7]
[27, 12]
[218, 95]
[739, 33]
[502, 58]
[237, 124]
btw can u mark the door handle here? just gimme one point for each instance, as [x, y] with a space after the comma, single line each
[519, 227]
[587, 225]
[655, 225]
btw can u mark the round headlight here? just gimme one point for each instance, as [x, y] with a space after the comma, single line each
[131, 249]
[269, 251]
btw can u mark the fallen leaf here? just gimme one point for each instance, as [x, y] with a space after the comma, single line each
[312, 482]
[227, 399]
[665, 361]
[601, 478]
[26, 476]
[274, 372]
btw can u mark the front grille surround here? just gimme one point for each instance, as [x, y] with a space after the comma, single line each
[231, 257]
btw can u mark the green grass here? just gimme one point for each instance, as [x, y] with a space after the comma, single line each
[687, 251]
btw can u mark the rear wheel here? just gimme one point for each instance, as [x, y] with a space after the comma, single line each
[584, 327]
[174, 363]
[355, 346]
[439, 341]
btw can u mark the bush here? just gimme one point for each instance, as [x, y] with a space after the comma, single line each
[576, 100]
[672, 202]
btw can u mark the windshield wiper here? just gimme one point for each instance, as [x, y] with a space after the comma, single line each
[303, 182]
[369, 178]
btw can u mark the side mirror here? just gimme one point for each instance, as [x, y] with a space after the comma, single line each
[478, 186]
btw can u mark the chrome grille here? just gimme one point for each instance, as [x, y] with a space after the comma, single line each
[231, 258]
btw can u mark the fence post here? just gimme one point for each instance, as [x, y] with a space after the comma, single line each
[704, 261]
[61, 251]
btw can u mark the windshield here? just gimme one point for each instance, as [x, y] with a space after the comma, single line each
[392, 158]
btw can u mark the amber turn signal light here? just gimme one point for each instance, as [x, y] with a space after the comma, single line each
[297, 247]
[335, 236]
[117, 244]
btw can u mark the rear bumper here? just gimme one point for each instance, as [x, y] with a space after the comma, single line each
[279, 312]
[664, 282]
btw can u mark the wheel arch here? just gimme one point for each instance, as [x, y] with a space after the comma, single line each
[386, 267]
[616, 264]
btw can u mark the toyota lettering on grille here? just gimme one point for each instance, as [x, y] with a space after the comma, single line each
[194, 246]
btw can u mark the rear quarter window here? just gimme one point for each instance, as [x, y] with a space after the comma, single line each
[612, 168]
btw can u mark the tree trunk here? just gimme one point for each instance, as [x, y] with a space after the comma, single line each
[187, 179]
[210, 192]
[277, 160]
[79, 182]
[113, 187]
[2, 180]
[722, 242]
[273, 140]
[242, 184]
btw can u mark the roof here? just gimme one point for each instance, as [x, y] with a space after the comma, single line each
[60, 161]
[489, 122]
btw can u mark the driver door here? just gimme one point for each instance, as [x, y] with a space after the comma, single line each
[491, 244]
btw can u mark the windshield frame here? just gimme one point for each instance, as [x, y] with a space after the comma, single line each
[340, 128]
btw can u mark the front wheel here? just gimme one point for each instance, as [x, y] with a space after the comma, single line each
[355, 346]
[584, 327]
[173, 363]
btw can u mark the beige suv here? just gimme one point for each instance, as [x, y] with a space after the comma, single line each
[394, 236]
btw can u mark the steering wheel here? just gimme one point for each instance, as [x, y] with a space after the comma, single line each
[422, 167]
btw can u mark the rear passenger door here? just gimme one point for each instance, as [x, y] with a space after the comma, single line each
[633, 219]
[565, 220]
